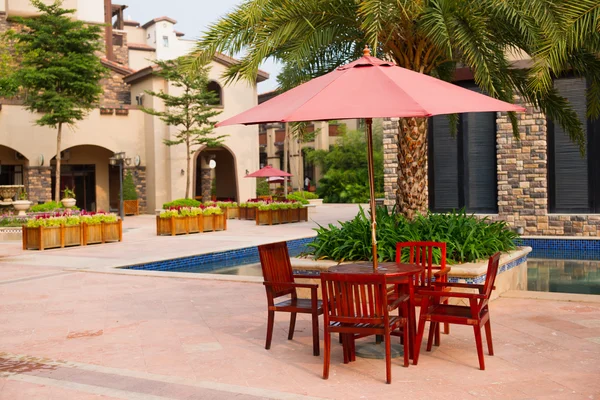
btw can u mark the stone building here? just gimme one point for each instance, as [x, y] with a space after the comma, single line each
[118, 125]
[540, 182]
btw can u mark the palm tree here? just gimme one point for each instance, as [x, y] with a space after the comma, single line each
[434, 37]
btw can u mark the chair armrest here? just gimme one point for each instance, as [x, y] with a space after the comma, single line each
[305, 276]
[434, 293]
[401, 299]
[293, 284]
[441, 273]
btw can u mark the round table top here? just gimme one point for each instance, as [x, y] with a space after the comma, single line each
[384, 268]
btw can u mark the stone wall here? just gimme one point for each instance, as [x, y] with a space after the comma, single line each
[120, 49]
[38, 183]
[139, 179]
[116, 92]
[522, 167]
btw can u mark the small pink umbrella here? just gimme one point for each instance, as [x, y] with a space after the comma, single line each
[267, 172]
[369, 88]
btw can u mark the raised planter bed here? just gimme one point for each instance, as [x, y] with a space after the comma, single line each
[275, 217]
[131, 207]
[247, 213]
[185, 225]
[42, 238]
[232, 212]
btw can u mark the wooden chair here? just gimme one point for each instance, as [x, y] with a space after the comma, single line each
[356, 306]
[421, 253]
[476, 314]
[279, 281]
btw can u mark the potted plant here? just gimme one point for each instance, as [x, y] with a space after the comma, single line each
[68, 199]
[106, 111]
[130, 198]
[22, 204]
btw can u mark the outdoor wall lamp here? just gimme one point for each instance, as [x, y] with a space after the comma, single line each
[210, 160]
[182, 171]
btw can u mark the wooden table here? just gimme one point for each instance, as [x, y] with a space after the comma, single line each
[396, 274]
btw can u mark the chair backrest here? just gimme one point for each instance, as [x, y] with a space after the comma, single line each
[421, 253]
[276, 267]
[354, 298]
[490, 277]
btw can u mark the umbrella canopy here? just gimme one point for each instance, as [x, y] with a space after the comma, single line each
[369, 88]
[268, 172]
[276, 179]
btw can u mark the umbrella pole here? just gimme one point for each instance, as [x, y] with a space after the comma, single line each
[369, 123]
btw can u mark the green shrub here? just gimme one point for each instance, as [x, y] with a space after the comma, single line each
[297, 198]
[302, 196]
[181, 203]
[467, 237]
[49, 206]
[262, 187]
[129, 192]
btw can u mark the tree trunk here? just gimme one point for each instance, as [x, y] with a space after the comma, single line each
[188, 161]
[57, 172]
[412, 197]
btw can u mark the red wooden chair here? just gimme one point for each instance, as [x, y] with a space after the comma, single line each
[476, 314]
[356, 306]
[421, 253]
[279, 281]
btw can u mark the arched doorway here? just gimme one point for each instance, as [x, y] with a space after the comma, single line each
[86, 170]
[12, 166]
[220, 182]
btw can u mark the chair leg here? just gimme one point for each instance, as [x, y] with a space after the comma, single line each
[477, 330]
[419, 340]
[352, 348]
[446, 325]
[432, 328]
[327, 355]
[488, 337]
[405, 336]
[436, 340]
[270, 323]
[292, 325]
[388, 357]
[315, 332]
[346, 348]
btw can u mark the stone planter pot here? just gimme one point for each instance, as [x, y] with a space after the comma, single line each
[316, 202]
[68, 202]
[21, 206]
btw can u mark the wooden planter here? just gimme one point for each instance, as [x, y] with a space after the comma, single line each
[121, 111]
[131, 207]
[43, 238]
[274, 217]
[232, 212]
[73, 235]
[186, 225]
[247, 213]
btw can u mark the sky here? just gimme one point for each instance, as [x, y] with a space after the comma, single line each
[193, 17]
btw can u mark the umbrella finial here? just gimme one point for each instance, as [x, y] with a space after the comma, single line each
[366, 51]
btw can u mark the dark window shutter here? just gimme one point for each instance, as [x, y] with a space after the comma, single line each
[570, 180]
[445, 163]
[479, 139]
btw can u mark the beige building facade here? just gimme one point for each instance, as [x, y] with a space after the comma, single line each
[118, 125]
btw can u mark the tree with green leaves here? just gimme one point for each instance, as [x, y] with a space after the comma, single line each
[434, 37]
[60, 72]
[192, 111]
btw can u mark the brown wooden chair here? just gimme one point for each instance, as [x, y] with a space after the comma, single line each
[421, 253]
[476, 314]
[356, 306]
[279, 281]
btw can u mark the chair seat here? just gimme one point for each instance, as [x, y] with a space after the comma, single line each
[456, 314]
[338, 326]
[298, 305]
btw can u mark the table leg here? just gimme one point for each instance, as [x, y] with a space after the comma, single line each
[412, 318]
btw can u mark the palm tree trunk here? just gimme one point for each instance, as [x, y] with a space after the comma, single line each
[188, 167]
[57, 172]
[412, 167]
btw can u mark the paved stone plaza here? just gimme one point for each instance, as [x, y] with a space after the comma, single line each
[67, 334]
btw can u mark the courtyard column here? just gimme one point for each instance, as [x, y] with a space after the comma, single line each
[206, 178]
[321, 143]
[38, 183]
[272, 157]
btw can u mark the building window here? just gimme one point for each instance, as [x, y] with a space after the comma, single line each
[462, 169]
[216, 89]
[165, 41]
[573, 179]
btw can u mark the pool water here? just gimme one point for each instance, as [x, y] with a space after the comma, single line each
[563, 276]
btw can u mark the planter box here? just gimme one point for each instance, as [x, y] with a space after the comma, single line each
[247, 213]
[42, 238]
[275, 217]
[131, 207]
[73, 235]
[121, 111]
[232, 212]
[186, 225]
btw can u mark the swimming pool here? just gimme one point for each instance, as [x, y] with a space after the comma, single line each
[563, 276]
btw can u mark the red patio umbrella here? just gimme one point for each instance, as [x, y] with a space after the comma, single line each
[369, 88]
[267, 172]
